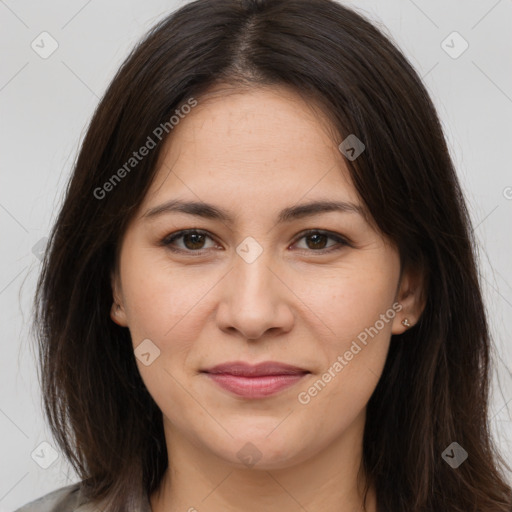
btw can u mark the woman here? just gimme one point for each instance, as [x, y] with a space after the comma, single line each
[261, 290]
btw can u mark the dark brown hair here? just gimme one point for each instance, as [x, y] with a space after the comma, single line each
[435, 384]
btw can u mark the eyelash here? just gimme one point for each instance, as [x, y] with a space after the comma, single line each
[167, 241]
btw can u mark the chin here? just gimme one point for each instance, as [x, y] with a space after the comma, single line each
[263, 451]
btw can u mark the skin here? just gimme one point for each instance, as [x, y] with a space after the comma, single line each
[255, 152]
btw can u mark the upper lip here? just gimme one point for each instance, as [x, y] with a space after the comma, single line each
[262, 369]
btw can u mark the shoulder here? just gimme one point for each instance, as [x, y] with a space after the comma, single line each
[64, 499]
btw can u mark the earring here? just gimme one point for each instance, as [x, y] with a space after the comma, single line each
[406, 322]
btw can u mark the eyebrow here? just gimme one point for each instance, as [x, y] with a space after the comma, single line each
[210, 211]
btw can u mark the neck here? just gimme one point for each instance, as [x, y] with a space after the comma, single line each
[327, 481]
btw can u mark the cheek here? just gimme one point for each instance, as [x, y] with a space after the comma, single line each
[357, 308]
[164, 306]
[353, 301]
[161, 300]
[355, 360]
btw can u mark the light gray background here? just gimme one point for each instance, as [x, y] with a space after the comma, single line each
[45, 105]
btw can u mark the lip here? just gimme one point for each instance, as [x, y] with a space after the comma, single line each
[263, 369]
[255, 381]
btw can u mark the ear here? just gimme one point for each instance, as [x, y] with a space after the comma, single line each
[117, 312]
[411, 295]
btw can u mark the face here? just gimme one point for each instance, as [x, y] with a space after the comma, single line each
[317, 289]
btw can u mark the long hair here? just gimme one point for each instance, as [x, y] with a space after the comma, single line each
[435, 384]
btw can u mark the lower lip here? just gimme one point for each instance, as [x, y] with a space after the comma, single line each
[255, 387]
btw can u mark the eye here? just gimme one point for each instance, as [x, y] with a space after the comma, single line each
[319, 237]
[194, 239]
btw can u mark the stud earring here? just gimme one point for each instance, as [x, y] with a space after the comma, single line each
[406, 323]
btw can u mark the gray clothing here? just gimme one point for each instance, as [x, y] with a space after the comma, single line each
[65, 499]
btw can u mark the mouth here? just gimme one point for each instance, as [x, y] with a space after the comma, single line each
[255, 381]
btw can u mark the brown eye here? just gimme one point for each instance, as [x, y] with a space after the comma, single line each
[193, 240]
[317, 240]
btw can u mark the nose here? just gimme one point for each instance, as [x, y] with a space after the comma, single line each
[255, 300]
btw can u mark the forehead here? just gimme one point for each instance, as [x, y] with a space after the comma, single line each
[273, 119]
[257, 144]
